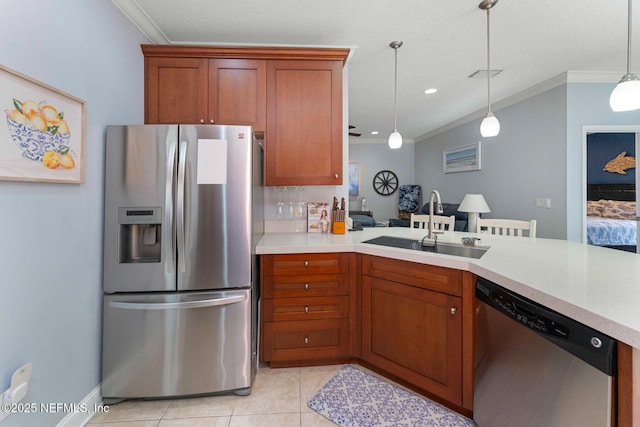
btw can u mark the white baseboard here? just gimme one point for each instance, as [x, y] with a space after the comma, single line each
[80, 419]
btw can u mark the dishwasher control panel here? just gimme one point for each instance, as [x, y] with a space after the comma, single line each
[590, 345]
[522, 311]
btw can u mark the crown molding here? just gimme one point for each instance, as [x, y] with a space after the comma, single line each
[560, 79]
[132, 10]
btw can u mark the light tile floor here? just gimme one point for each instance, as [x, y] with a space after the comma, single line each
[278, 399]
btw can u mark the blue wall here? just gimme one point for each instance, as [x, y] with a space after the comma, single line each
[525, 161]
[51, 234]
[603, 147]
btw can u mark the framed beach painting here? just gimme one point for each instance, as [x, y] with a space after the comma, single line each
[42, 134]
[354, 179]
[462, 159]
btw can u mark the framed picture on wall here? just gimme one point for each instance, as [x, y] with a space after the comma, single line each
[354, 179]
[42, 134]
[462, 159]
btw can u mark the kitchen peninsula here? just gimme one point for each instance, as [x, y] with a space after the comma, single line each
[595, 286]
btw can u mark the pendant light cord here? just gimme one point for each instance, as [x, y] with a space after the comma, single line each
[395, 92]
[489, 67]
[629, 39]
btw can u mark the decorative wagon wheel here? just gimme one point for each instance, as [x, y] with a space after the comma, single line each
[385, 183]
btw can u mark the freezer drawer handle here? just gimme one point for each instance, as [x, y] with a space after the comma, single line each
[178, 305]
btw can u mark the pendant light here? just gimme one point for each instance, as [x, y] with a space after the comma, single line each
[490, 126]
[395, 139]
[626, 95]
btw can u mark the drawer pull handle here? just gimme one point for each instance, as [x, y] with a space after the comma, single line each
[201, 120]
[306, 263]
[306, 309]
[306, 340]
[453, 310]
[306, 286]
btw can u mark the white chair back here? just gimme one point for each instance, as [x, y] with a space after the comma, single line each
[440, 222]
[507, 227]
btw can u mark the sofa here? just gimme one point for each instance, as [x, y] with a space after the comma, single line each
[449, 209]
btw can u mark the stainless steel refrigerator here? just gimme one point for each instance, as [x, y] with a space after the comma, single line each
[183, 213]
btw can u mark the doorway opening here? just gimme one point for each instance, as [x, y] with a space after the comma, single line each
[611, 188]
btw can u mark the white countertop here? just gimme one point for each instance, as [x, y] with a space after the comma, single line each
[596, 286]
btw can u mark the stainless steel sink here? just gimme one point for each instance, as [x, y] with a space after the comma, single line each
[439, 248]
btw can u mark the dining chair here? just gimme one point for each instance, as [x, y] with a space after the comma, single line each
[507, 227]
[440, 222]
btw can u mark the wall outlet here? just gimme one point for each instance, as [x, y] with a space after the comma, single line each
[543, 202]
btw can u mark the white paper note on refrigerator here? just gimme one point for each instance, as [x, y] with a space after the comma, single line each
[212, 161]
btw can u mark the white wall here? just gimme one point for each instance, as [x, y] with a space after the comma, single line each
[526, 160]
[51, 250]
[372, 157]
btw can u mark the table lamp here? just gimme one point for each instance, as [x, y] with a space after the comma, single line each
[474, 204]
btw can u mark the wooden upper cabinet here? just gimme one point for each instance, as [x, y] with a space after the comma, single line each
[176, 90]
[206, 91]
[238, 92]
[304, 123]
[293, 95]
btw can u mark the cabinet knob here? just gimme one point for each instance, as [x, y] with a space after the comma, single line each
[306, 286]
[337, 176]
[306, 308]
[306, 263]
[306, 340]
[453, 310]
[211, 121]
[202, 121]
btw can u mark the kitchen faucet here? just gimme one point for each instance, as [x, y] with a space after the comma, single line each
[439, 210]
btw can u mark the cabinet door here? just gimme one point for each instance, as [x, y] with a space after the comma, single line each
[304, 124]
[237, 92]
[415, 334]
[176, 90]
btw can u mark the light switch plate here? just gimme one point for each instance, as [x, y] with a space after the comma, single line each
[543, 202]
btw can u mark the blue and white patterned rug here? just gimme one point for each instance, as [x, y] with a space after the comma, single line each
[353, 398]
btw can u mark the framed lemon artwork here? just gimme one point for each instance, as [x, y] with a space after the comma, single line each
[42, 132]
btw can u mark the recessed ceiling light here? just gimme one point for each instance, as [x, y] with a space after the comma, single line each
[375, 132]
[430, 91]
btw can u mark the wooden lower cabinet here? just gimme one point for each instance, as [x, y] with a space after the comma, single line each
[415, 334]
[411, 322]
[306, 309]
[417, 326]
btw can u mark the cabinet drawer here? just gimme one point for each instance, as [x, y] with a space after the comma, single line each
[440, 279]
[294, 264]
[305, 308]
[306, 340]
[305, 285]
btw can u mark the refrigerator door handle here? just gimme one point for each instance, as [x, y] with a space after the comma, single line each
[168, 203]
[178, 305]
[180, 206]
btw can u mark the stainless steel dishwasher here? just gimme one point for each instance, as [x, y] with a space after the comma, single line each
[535, 367]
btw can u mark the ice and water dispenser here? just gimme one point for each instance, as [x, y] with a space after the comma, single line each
[139, 234]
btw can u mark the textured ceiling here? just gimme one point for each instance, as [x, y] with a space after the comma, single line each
[444, 42]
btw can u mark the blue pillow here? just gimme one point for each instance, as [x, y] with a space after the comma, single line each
[364, 220]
